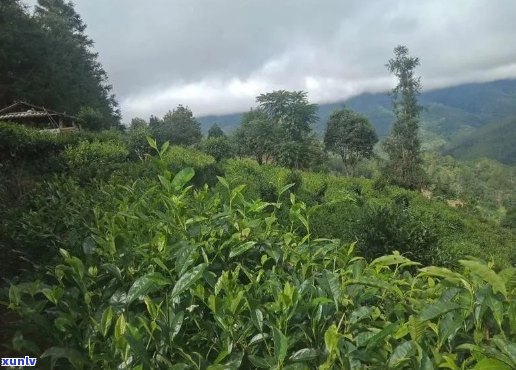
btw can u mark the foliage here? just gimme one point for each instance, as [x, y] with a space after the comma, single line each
[18, 143]
[171, 277]
[397, 227]
[92, 119]
[205, 166]
[88, 160]
[484, 185]
[48, 60]
[495, 140]
[137, 123]
[351, 136]
[301, 154]
[215, 131]
[179, 127]
[403, 146]
[291, 110]
[257, 137]
[219, 147]
[292, 116]
[509, 220]
[137, 140]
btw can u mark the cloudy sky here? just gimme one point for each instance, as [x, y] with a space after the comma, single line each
[217, 55]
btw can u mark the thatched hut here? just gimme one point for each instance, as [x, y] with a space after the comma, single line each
[38, 117]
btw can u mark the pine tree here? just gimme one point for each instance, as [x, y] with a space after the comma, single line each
[77, 78]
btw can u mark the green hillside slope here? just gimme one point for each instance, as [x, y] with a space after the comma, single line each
[496, 140]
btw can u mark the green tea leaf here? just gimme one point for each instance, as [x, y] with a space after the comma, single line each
[305, 354]
[182, 178]
[491, 364]
[333, 281]
[152, 142]
[223, 182]
[402, 353]
[105, 321]
[188, 279]
[434, 310]
[486, 274]
[242, 248]
[261, 362]
[120, 328]
[394, 259]
[280, 345]
[185, 257]
[146, 284]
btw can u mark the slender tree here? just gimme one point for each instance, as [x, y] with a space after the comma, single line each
[403, 147]
[351, 136]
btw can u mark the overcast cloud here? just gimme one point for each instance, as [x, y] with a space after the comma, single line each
[217, 55]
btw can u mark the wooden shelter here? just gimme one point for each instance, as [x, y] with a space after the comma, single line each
[38, 117]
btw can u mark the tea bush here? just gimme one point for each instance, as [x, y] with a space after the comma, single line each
[176, 278]
[94, 159]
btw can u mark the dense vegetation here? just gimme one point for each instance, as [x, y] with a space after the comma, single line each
[153, 273]
[267, 247]
[146, 260]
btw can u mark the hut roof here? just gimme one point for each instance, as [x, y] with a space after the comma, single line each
[26, 110]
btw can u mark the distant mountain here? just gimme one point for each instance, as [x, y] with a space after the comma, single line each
[496, 140]
[451, 116]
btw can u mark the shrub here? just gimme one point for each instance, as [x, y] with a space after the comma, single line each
[137, 142]
[509, 220]
[89, 160]
[219, 147]
[384, 229]
[175, 278]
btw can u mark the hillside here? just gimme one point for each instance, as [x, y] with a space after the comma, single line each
[449, 115]
[495, 140]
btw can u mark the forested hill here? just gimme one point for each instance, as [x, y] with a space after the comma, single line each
[450, 115]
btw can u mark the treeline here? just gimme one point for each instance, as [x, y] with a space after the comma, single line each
[280, 131]
[47, 59]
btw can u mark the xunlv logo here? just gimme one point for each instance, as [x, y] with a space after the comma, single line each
[19, 361]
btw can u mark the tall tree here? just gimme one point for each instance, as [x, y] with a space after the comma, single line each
[351, 136]
[291, 110]
[179, 127]
[23, 49]
[48, 60]
[293, 116]
[403, 147]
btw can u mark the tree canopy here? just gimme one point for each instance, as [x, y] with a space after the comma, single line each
[351, 136]
[47, 59]
[291, 110]
[179, 127]
[257, 136]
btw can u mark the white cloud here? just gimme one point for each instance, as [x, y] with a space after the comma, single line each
[216, 56]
